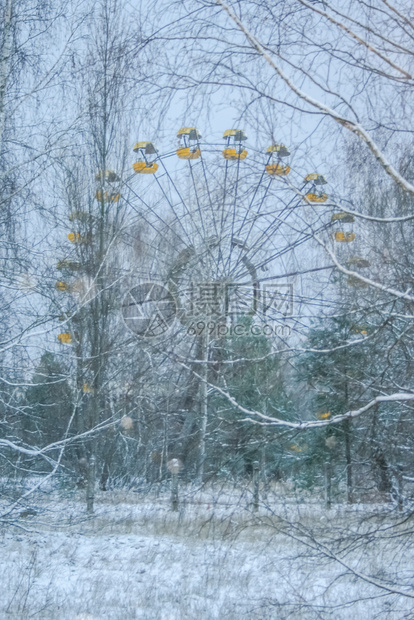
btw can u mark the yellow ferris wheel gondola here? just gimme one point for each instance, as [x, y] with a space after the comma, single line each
[356, 282]
[107, 175]
[323, 416]
[81, 216]
[62, 286]
[88, 389]
[277, 169]
[65, 338]
[69, 265]
[358, 262]
[64, 317]
[188, 143]
[315, 195]
[145, 163]
[75, 237]
[343, 217]
[360, 329]
[315, 178]
[344, 237]
[107, 196]
[234, 148]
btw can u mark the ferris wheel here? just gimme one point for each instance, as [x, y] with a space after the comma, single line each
[238, 229]
[238, 225]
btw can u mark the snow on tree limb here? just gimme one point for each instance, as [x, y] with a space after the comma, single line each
[355, 127]
[267, 420]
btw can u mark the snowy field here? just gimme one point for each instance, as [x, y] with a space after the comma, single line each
[215, 558]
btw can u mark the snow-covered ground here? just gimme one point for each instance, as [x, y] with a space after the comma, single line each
[215, 558]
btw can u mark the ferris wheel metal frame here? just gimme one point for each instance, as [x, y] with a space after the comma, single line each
[220, 229]
[228, 223]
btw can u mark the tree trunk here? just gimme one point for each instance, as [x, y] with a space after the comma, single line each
[328, 484]
[349, 486]
[204, 410]
[256, 471]
[5, 65]
[90, 488]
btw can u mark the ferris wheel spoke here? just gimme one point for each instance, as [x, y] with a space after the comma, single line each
[205, 235]
[213, 218]
[170, 201]
[224, 197]
[272, 226]
[298, 272]
[162, 220]
[197, 200]
[253, 197]
[295, 244]
[233, 216]
[284, 212]
[288, 248]
[126, 234]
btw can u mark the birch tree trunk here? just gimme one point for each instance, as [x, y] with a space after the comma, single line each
[5, 65]
[204, 408]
